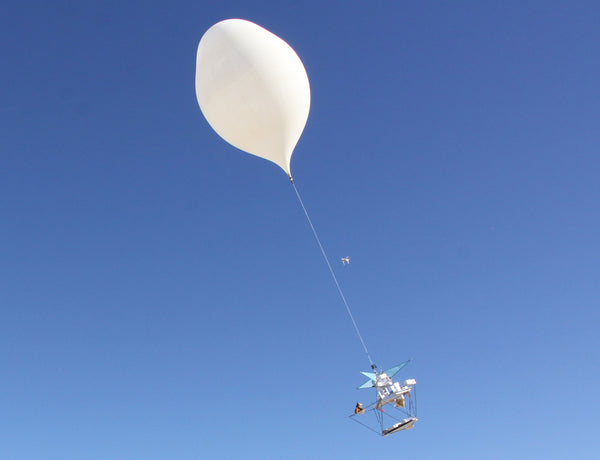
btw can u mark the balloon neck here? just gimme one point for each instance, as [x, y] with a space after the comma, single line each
[291, 178]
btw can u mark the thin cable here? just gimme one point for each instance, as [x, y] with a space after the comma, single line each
[332, 272]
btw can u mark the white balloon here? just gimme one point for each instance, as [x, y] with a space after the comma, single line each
[253, 89]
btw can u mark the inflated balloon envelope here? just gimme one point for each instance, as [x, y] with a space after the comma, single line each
[253, 89]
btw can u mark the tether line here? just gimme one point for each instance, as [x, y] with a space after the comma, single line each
[337, 284]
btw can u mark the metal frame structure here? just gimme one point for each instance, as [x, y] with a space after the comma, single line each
[395, 408]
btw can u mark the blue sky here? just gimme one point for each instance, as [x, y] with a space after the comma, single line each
[161, 294]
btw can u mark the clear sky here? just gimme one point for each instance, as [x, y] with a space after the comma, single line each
[161, 294]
